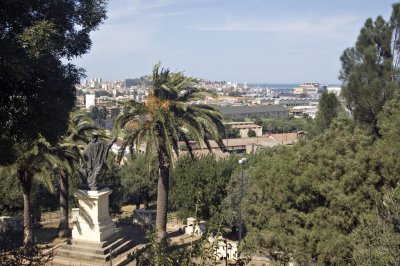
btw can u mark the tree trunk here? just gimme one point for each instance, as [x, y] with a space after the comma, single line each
[162, 194]
[25, 180]
[27, 219]
[63, 228]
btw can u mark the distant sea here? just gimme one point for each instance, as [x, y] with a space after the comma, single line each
[281, 87]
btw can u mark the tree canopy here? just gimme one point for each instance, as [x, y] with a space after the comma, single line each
[37, 90]
[139, 180]
[329, 108]
[200, 182]
[368, 70]
[329, 200]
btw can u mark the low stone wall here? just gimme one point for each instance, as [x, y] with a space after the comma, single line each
[10, 227]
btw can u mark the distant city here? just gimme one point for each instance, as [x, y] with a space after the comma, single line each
[295, 99]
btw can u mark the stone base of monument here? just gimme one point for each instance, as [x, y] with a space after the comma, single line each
[93, 222]
[94, 234]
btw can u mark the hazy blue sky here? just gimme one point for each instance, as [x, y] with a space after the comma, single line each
[272, 41]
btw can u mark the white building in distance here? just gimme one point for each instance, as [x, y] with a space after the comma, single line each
[90, 100]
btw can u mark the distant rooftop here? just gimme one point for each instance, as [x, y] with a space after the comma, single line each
[243, 109]
[238, 123]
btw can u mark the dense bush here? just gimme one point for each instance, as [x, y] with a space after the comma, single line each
[322, 201]
[201, 184]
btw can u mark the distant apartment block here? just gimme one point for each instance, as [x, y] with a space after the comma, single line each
[90, 100]
[241, 112]
[310, 88]
[289, 102]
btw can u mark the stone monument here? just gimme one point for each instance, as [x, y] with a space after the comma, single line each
[95, 156]
[93, 222]
[94, 234]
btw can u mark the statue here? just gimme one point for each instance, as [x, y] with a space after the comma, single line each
[95, 156]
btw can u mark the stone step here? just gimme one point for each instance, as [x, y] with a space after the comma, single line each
[60, 260]
[83, 255]
[92, 248]
[128, 244]
[87, 253]
[120, 260]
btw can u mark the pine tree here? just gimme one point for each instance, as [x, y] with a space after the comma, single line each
[368, 69]
[329, 108]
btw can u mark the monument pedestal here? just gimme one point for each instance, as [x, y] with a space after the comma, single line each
[93, 222]
[94, 234]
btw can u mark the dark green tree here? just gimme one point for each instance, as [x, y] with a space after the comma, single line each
[251, 133]
[368, 69]
[286, 125]
[378, 234]
[202, 182]
[113, 179]
[37, 90]
[306, 201]
[330, 200]
[139, 179]
[231, 204]
[11, 202]
[166, 118]
[35, 160]
[329, 108]
[94, 112]
[232, 133]
[387, 149]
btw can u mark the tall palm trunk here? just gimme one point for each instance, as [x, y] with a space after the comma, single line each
[27, 219]
[26, 182]
[162, 194]
[63, 228]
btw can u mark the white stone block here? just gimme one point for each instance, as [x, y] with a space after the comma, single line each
[192, 227]
[93, 222]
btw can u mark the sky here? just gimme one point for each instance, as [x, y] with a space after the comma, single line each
[254, 41]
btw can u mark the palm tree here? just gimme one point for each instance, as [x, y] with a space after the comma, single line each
[34, 161]
[165, 119]
[67, 156]
[67, 152]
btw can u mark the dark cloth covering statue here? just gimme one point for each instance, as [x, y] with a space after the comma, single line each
[95, 156]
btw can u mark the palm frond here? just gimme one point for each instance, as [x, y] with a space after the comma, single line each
[44, 177]
[168, 117]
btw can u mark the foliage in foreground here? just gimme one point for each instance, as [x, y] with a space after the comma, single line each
[321, 202]
[26, 255]
[164, 253]
[201, 180]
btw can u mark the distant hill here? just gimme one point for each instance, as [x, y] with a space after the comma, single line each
[144, 81]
